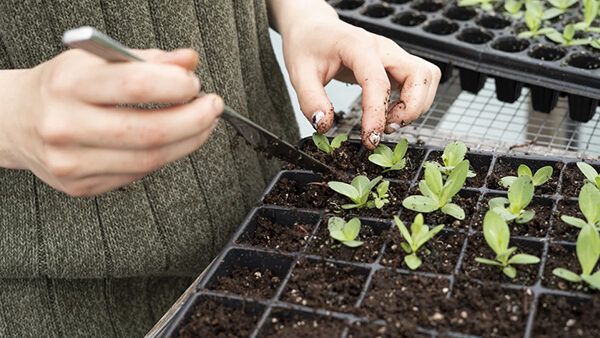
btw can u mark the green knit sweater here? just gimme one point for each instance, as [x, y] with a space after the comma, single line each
[112, 265]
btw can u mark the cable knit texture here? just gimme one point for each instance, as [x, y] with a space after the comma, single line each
[112, 265]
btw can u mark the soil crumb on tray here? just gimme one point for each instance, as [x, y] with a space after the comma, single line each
[213, 319]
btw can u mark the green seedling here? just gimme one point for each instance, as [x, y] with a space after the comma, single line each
[567, 37]
[589, 204]
[520, 195]
[588, 251]
[559, 7]
[590, 11]
[390, 160]
[322, 142]
[534, 14]
[345, 232]
[418, 235]
[437, 194]
[514, 8]
[539, 178]
[497, 237]
[454, 154]
[486, 5]
[359, 191]
[590, 173]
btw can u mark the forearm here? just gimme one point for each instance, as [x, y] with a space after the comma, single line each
[285, 14]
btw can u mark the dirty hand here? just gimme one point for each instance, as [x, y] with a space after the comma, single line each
[317, 51]
[65, 126]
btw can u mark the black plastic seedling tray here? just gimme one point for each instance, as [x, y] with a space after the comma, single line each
[485, 43]
[368, 292]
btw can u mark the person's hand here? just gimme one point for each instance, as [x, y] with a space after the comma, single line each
[73, 124]
[318, 50]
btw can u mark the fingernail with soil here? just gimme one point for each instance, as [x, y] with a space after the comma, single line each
[374, 138]
[316, 118]
[392, 128]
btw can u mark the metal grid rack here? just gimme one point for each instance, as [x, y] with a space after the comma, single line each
[484, 123]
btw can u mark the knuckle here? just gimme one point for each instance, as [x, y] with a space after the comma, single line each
[54, 131]
[436, 71]
[60, 82]
[153, 136]
[381, 81]
[135, 86]
[153, 160]
[59, 165]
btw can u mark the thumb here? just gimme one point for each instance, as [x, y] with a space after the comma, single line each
[314, 103]
[186, 58]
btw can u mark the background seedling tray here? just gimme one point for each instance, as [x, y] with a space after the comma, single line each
[466, 293]
[484, 43]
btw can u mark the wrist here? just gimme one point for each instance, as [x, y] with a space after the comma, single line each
[288, 15]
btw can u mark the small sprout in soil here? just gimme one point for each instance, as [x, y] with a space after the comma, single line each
[514, 8]
[590, 173]
[454, 153]
[533, 19]
[520, 195]
[539, 178]
[590, 11]
[567, 37]
[345, 232]
[322, 142]
[437, 194]
[589, 204]
[486, 5]
[390, 160]
[419, 235]
[359, 191]
[588, 251]
[497, 236]
[559, 7]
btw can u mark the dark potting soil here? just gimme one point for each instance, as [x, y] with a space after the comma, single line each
[465, 199]
[573, 180]
[349, 158]
[257, 283]
[323, 245]
[560, 256]
[477, 247]
[291, 324]
[508, 167]
[480, 164]
[439, 254]
[406, 300]
[567, 317]
[537, 227]
[562, 231]
[399, 329]
[487, 310]
[269, 234]
[324, 284]
[213, 319]
[288, 193]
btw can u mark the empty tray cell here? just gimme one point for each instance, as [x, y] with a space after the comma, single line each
[547, 52]
[428, 5]
[480, 165]
[292, 323]
[493, 21]
[581, 108]
[409, 18]
[510, 44]
[212, 316]
[383, 330]
[477, 247]
[460, 13]
[299, 189]
[475, 36]
[396, 2]
[566, 317]
[372, 234]
[250, 273]
[543, 99]
[507, 90]
[537, 227]
[326, 285]
[439, 255]
[440, 27]
[406, 299]
[573, 179]
[562, 231]
[508, 165]
[471, 81]
[466, 199]
[279, 229]
[349, 4]
[378, 11]
[563, 256]
[584, 60]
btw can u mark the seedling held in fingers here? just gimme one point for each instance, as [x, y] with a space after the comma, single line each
[345, 232]
[437, 194]
[520, 195]
[588, 252]
[322, 142]
[589, 204]
[539, 178]
[497, 237]
[359, 191]
[418, 235]
[390, 160]
[454, 154]
[590, 173]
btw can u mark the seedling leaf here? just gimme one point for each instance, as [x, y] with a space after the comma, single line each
[524, 170]
[593, 280]
[345, 189]
[542, 176]
[589, 203]
[353, 244]
[359, 191]
[454, 210]
[496, 232]
[344, 232]
[420, 204]
[589, 172]
[412, 261]
[520, 194]
[487, 261]
[525, 217]
[433, 178]
[338, 140]
[510, 271]
[588, 249]
[384, 157]
[523, 259]
[566, 274]
[574, 221]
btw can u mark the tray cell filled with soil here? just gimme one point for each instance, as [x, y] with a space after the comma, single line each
[573, 179]
[564, 256]
[564, 316]
[480, 164]
[507, 166]
[561, 231]
[300, 324]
